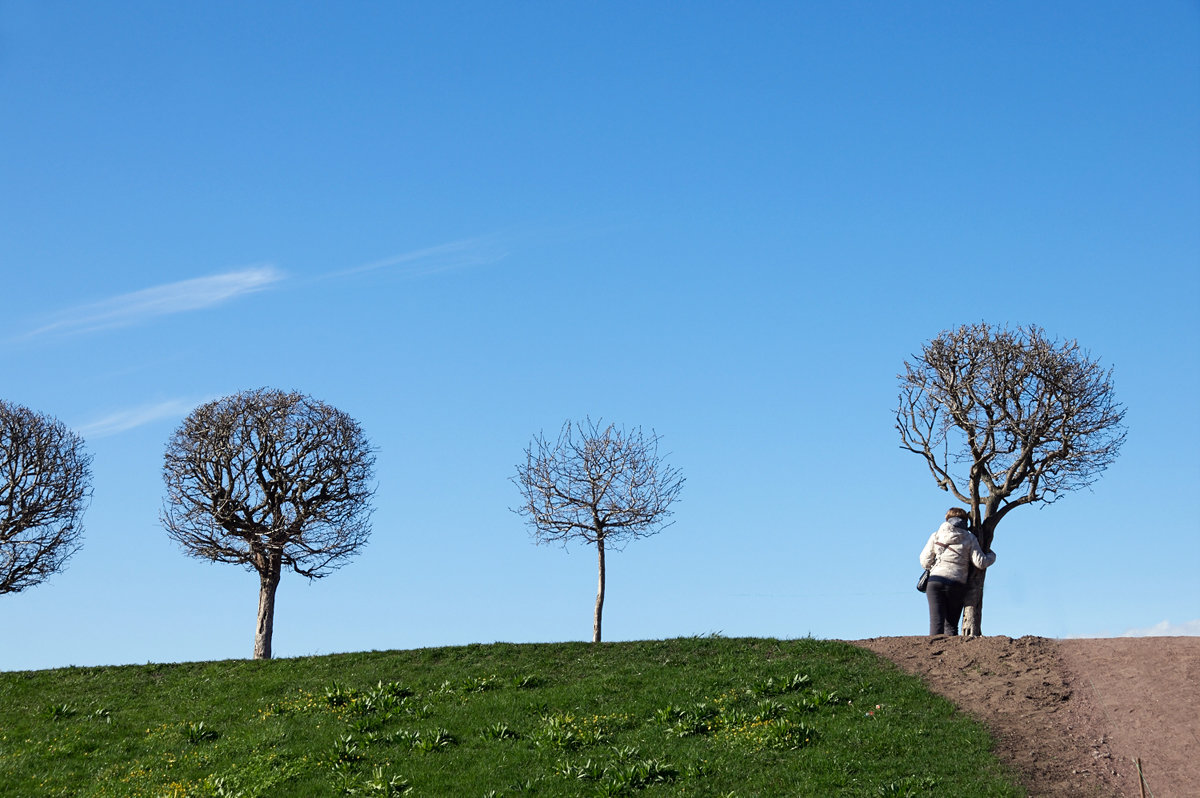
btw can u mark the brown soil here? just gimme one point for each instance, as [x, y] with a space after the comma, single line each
[1073, 716]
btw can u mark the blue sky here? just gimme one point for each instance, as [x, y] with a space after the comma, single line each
[464, 223]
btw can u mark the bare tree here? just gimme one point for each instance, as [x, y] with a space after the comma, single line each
[603, 486]
[45, 483]
[1005, 418]
[269, 480]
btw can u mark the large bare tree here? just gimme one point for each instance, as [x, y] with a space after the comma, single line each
[602, 485]
[271, 481]
[1005, 418]
[45, 483]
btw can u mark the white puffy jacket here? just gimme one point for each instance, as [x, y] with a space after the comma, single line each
[951, 549]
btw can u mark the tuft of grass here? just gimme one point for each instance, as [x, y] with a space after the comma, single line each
[197, 733]
[708, 716]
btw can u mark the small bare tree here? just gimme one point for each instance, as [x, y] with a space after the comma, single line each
[269, 480]
[601, 485]
[45, 483]
[1005, 418]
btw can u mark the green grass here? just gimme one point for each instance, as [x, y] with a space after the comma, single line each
[695, 717]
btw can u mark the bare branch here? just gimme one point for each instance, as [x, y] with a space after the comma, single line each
[593, 483]
[45, 484]
[1026, 416]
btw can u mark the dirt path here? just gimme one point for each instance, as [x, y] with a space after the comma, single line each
[1071, 715]
[1149, 691]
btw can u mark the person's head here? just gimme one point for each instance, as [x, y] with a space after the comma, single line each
[956, 512]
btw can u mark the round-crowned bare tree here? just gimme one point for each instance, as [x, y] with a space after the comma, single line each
[272, 481]
[45, 483]
[599, 484]
[1004, 418]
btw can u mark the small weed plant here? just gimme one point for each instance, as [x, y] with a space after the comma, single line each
[196, 733]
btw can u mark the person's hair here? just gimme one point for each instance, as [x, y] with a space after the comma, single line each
[956, 512]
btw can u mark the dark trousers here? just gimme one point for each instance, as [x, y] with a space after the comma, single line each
[945, 604]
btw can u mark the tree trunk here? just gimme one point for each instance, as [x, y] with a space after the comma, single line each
[972, 617]
[599, 594]
[267, 584]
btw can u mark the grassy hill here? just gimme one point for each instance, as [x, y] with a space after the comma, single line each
[696, 716]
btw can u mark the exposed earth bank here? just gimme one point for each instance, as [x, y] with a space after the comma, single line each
[1072, 717]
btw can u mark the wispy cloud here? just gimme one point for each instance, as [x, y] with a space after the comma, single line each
[432, 260]
[199, 293]
[162, 300]
[125, 420]
[1167, 629]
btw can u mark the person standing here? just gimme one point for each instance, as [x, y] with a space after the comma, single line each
[948, 555]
